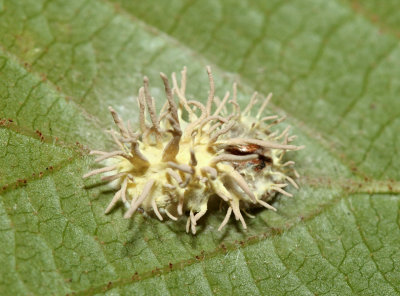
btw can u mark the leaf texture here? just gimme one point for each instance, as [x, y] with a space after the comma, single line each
[333, 69]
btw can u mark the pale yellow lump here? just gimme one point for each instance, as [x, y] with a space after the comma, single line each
[173, 166]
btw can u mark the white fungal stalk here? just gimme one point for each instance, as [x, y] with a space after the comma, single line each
[173, 166]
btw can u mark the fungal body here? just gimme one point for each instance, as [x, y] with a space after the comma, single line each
[173, 166]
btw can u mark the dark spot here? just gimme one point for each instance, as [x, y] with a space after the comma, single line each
[243, 149]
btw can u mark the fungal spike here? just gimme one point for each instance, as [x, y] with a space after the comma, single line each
[188, 225]
[97, 152]
[113, 202]
[290, 162]
[239, 180]
[211, 92]
[137, 156]
[130, 131]
[182, 99]
[213, 127]
[172, 217]
[280, 190]
[99, 171]
[218, 153]
[236, 109]
[113, 177]
[192, 126]
[180, 206]
[163, 111]
[226, 219]
[202, 179]
[116, 140]
[118, 121]
[175, 176]
[193, 222]
[247, 214]
[232, 158]
[210, 171]
[217, 102]
[273, 135]
[222, 104]
[211, 118]
[155, 209]
[123, 189]
[169, 186]
[234, 101]
[264, 104]
[222, 195]
[193, 159]
[172, 148]
[200, 214]
[238, 215]
[142, 110]
[284, 133]
[266, 205]
[266, 118]
[151, 108]
[252, 102]
[173, 110]
[192, 219]
[111, 154]
[280, 185]
[222, 132]
[234, 88]
[137, 202]
[279, 120]
[183, 80]
[292, 182]
[182, 167]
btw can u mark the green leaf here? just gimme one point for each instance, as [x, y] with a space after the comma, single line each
[333, 67]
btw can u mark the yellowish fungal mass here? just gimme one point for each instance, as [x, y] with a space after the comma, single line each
[173, 166]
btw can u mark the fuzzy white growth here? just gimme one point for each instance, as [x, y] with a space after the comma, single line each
[172, 166]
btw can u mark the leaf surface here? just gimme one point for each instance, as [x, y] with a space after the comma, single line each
[333, 68]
